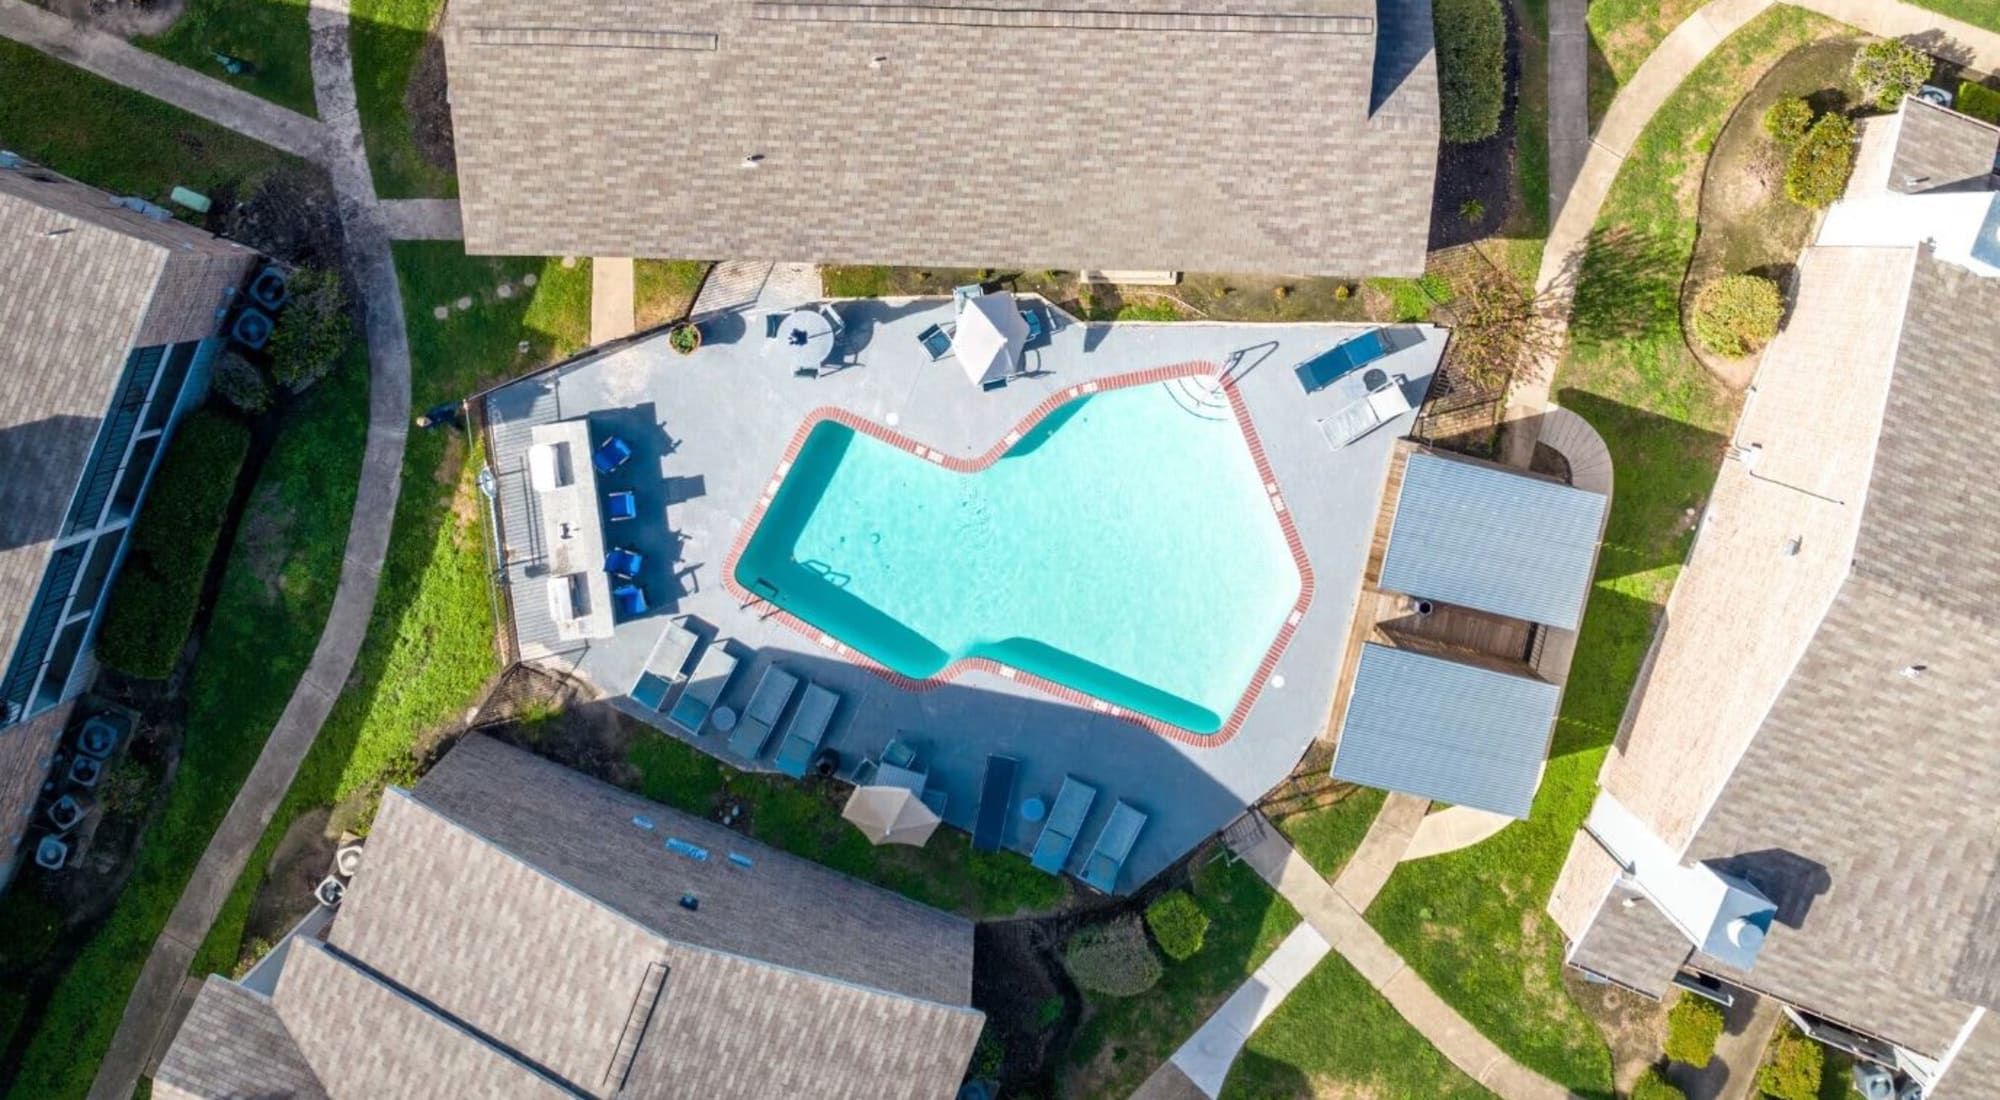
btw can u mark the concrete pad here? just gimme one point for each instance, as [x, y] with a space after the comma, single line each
[1452, 828]
[1207, 1055]
[611, 299]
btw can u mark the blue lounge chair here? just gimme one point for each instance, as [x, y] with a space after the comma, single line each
[936, 342]
[621, 505]
[621, 562]
[807, 730]
[1114, 843]
[760, 716]
[711, 675]
[666, 668]
[1065, 820]
[1349, 355]
[611, 454]
[996, 799]
[630, 600]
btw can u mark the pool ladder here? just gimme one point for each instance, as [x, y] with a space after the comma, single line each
[1199, 395]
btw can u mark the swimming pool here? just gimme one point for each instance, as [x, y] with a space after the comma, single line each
[1124, 548]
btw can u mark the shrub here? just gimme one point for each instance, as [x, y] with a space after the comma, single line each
[1178, 924]
[153, 602]
[1889, 70]
[238, 381]
[1693, 1026]
[1788, 119]
[1979, 101]
[1112, 958]
[1652, 1086]
[1737, 314]
[1792, 1067]
[1820, 163]
[1472, 67]
[313, 330]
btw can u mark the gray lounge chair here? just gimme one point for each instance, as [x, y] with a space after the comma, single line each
[760, 716]
[666, 667]
[806, 731]
[1114, 843]
[711, 675]
[1065, 820]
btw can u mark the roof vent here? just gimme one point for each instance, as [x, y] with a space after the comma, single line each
[1793, 545]
[690, 903]
[643, 822]
[1746, 934]
[753, 160]
[740, 860]
[682, 848]
[878, 61]
[1912, 672]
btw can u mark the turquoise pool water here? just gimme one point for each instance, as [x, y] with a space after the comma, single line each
[1124, 547]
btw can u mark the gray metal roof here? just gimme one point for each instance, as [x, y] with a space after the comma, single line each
[1444, 730]
[1493, 540]
[586, 127]
[1938, 149]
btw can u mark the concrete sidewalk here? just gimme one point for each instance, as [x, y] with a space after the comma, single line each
[611, 299]
[421, 219]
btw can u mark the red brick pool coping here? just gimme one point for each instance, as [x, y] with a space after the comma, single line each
[952, 671]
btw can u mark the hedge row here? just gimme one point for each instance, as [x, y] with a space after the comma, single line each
[158, 591]
[1472, 67]
[1979, 101]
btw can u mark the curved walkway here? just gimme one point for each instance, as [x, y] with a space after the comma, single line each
[159, 999]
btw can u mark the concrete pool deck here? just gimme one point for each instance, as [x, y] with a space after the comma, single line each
[709, 429]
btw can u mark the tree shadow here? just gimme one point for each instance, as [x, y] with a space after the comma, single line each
[1624, 284]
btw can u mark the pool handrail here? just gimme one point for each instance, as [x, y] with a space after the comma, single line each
[760, 716]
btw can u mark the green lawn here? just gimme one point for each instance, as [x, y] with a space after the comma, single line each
[1327, 833]
[430, 648]
[1623, 34]
[1979, 13]
[269, 34]
[1122, 1040]
[1336, 1037]
[804, 819]
[273, 602]
[115, 138]
[1471, 922]
[662, 290]
[388, 38]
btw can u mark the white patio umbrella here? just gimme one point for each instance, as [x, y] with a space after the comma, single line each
[990, 337]
[890, 815]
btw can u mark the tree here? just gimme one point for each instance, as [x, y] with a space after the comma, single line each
[1792, 1067]
[1734, 316]
[1693, 1026]
[1889, 70]
[1817, 174]
[1472, 67]
[1179, 926]
[313, 330]
[1499, 329]
[1788, 119]
[1652, 1086]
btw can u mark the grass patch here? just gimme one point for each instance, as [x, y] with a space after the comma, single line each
[388, 37]
[124, 142]
[275, 594]
[1623, 33]
[1336, 1036]
[1471, 922]
[271, 35]
[158, 591]
[1122, 1040]
[662, 290]
[804, 819]
[1323, 818]
[1979, 13]
[429, 648]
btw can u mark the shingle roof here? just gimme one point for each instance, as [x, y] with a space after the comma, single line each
[1216, 135]
[231, 1046]
[1972, 1074]
[1938, 149]
[1493, 540]
[1447, 731]
[1633, 944]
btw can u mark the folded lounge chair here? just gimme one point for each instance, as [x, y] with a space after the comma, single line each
[996, 798]
[1349, 355]
[807, 730]
[1384, 403]
[666, 668]
[1065, 820]
[1114, 843]
[760, 717]
[711, 675]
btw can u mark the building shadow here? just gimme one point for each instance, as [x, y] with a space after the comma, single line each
[31, 506]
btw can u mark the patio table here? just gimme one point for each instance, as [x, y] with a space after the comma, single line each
[806, 338]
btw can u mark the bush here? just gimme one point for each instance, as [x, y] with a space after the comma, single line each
[1788, 119]
[1979, 101]
[1889, 70]
[1792, 1067]
[1693, 1026]
[1737, 314]
[238, 381]
[312, 331]
[1112, 958]
[1820, 162]
[1652, 1086]
[1178, 924]
[158, 591]
[1472, 67]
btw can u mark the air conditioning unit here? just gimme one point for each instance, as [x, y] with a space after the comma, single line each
[330, 891]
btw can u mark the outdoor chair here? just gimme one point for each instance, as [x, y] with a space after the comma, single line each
[620, 562]
[1038, 325]
[1114, 844]
[621, 505]
[611, 454]
[1065, 820]
[807, 730]
[936, 341]
[705, 685]
[832, 318]
[1330, 366]
[996, 798]
[963, 294]
[774, 323]
[666, 668]
[899, 754]
[760, 716]
[630, 599]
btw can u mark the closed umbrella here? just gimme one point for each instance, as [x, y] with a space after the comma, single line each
[890, 815]
[990, 337]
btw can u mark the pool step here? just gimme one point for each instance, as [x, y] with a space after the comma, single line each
[1199, 395]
